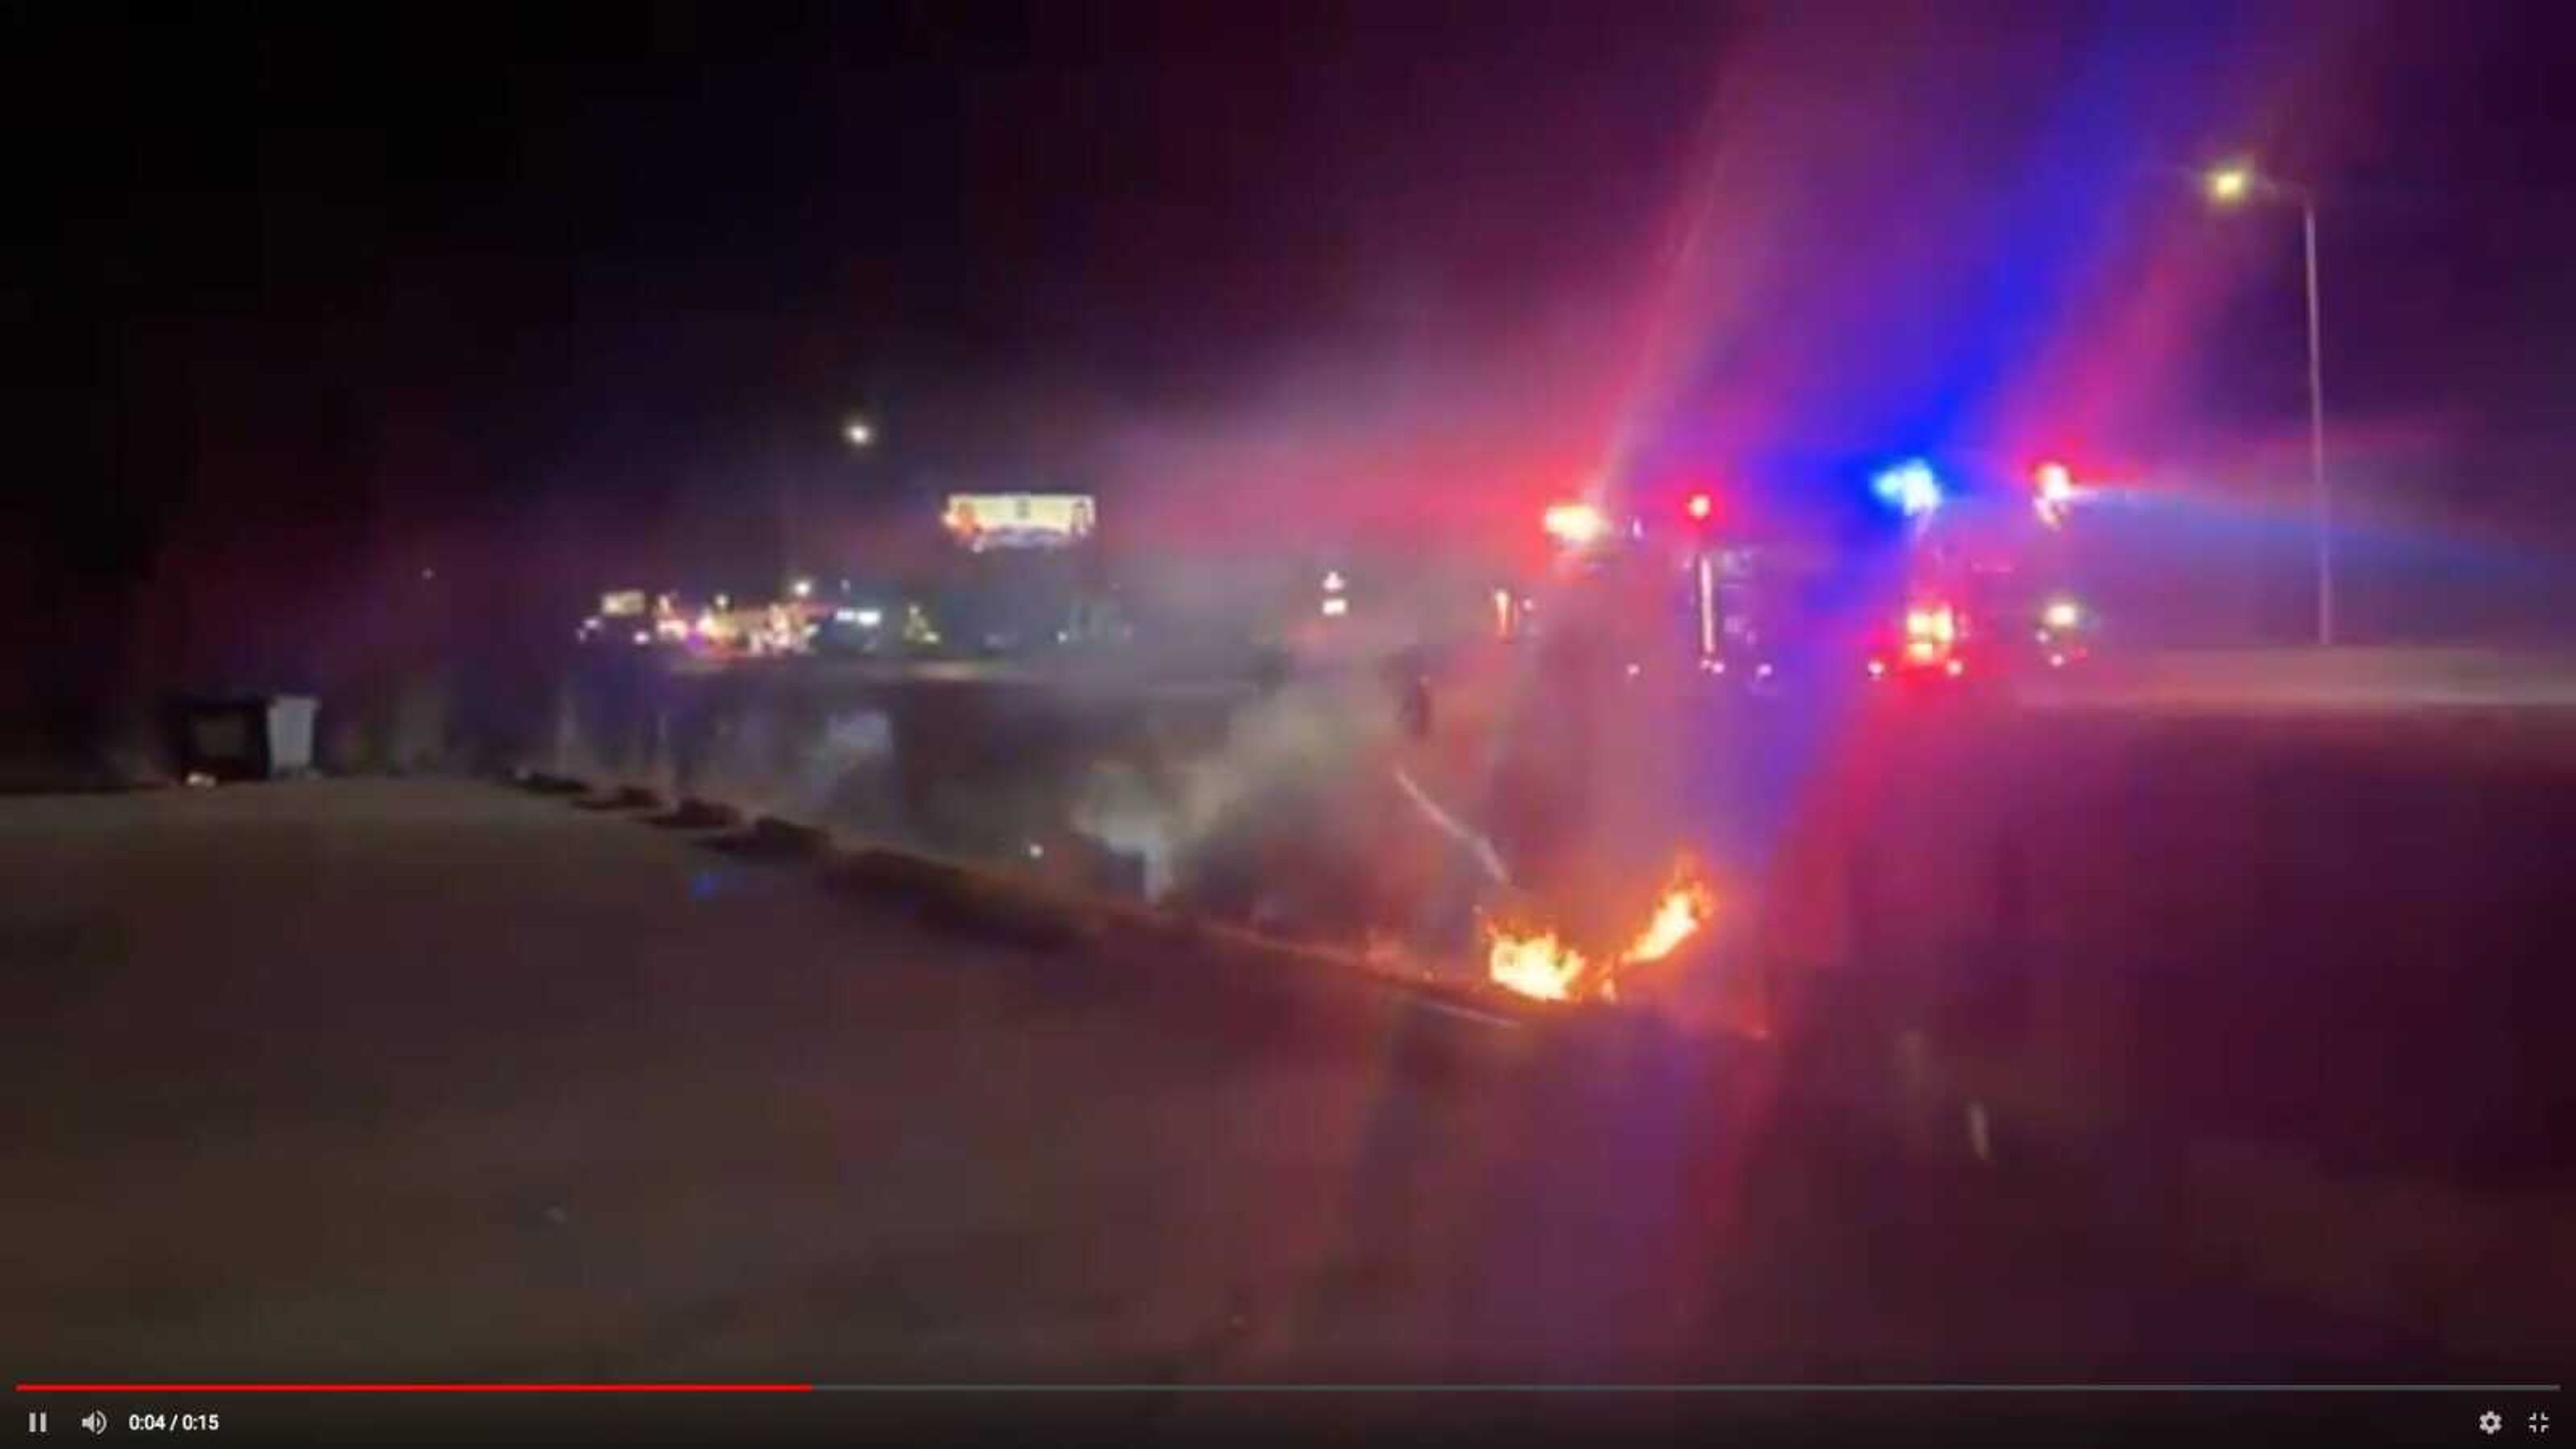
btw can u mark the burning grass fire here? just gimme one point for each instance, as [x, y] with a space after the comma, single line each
[1541, 964]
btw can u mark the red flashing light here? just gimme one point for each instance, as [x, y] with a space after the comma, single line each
[1700, 506]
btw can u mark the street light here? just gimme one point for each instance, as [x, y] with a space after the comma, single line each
[2232, 185]
[859, 433]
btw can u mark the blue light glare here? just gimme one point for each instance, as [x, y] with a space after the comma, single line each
[1910, 487]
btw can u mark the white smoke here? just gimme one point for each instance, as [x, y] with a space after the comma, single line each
[1296, 745]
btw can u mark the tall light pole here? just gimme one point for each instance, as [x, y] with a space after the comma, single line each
[2232, 185]
[860, 434]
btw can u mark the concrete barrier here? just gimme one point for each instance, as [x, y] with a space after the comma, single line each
[694, 814]
[955, 766]
[2327, 927]
[779, 839]
[621, 798]
[1002, 906]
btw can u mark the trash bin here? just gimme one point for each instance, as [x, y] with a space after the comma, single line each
[290, 734]
[256, 737]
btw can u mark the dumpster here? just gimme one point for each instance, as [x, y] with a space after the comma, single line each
[250, 737]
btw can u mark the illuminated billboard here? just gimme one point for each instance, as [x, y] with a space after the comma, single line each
[1019, 520]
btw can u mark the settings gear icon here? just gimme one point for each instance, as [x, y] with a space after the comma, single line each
[2490, 1422]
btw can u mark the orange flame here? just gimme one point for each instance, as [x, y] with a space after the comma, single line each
[1542, 965]
[1536, 965]
[1685, 906]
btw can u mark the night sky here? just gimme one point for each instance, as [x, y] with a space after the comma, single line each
[544, 298]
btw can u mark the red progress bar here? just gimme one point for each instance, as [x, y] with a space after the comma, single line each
[415, 1388]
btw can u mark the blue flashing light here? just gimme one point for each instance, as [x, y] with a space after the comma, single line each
[1910, 487]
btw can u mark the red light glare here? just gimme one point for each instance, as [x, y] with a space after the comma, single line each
[1701, 506]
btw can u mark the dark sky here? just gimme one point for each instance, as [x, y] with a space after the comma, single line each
[572, 293]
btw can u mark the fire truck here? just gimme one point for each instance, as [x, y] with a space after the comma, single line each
[1961, 593]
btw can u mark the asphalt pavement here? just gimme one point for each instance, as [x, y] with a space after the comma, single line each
[437, 1080]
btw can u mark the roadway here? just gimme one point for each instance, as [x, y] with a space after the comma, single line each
[1073, 673]
[424, 1080]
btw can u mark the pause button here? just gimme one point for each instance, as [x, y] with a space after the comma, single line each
[36, 1423]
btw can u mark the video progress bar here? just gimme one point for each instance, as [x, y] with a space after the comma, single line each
[1277, 1388]
[269, 1388]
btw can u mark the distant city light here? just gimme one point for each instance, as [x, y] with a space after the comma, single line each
[2061, 614]
[1700, 506]
[1910, 487]
[1333, 581]
[643, 636]
[2229, 184]
[801, 588]
[867, 618]
[1335, 606]
[1575, 524]
[858, 432]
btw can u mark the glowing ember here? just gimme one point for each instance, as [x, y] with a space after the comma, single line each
[1542, 965]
